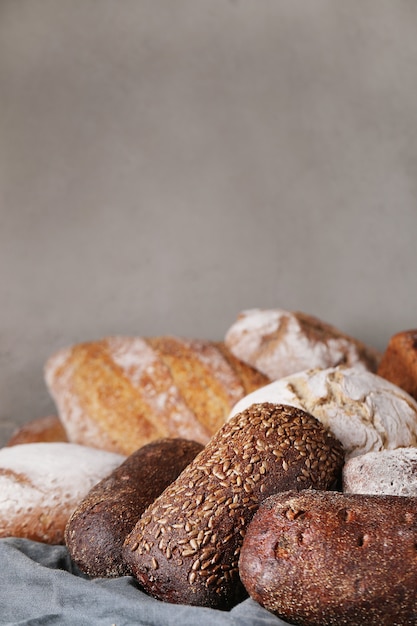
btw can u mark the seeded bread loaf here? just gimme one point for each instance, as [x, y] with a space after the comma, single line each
[326, 559]
[38, 430]
[97, 528]
[363, 411]
[391, 472]
[399, 361]
[123, 392]
[42, 483]
[185, 547]
[279, 343]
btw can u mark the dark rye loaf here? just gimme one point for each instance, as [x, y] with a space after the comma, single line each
[331, 559]
[185, 548]
[97, 528]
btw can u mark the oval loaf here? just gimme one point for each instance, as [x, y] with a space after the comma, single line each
[326, 559]
[99, 525]
[120, 393]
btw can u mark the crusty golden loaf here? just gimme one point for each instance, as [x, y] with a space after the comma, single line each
[120, 393]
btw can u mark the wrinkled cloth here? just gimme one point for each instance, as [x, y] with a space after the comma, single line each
[40, 585]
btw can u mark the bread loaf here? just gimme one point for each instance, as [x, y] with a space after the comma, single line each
[97, 528]
[391, 472]
[42, 483]
[363, 411]
[326, 558]
[399, 361]
[279, 343]
[123, 392]
[185, 547]
[38, 430]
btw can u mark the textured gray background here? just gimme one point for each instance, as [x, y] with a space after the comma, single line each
[166, 164]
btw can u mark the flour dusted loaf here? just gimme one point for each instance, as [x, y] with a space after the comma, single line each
[399, 361]
[42, 483]
[38, 430]
[331, 559]
[185, 547]
[120, 393]
[363, 411]
[99, 525]
[279, 343]
[391, 472]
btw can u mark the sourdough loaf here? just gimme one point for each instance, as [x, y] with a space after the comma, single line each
[122, 392]
[391, 472]
[331, 559]
[364, 411]
[399, 361]
[42, 483]
[97, 528]
[185, 547]
[38, 430]
[279, 343]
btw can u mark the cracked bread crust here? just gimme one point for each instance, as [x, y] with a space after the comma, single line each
[279, 343]
[364, 411]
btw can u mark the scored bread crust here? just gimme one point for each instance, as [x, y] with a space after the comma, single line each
[120, 393]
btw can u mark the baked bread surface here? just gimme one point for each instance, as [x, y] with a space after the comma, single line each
[42, 483]
[331, 559]
[279, 343]
[391, 472]
[364, 411]
[99, 525]
[120, 393]
[185, 547]
[399, 361]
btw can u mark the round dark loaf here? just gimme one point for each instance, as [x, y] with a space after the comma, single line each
[97, 528]
[324, 559]
[185, 548]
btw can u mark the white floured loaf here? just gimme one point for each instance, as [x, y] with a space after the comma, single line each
[42, 483]
[279, 343]
[392, 472]
[363, 411]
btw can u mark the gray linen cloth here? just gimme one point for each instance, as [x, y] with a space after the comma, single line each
[40, 585]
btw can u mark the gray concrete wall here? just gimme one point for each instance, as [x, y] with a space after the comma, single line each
[166, 164]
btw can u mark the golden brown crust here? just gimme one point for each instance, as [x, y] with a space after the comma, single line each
[185, 547]
[399, 361]
[120, 393]
[48, 428]
[326, 558]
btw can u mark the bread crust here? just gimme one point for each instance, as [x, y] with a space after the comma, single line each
[97, 528]
[185, 547]
[42, 483]
[326, 559]
[41, 429]
[279, 343]
[120, 393]
[399, 361]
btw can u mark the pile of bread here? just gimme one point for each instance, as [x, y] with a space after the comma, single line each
[280, 462]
